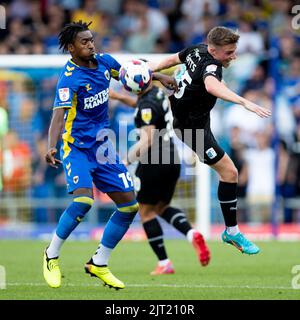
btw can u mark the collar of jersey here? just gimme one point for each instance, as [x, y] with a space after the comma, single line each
[81, 67]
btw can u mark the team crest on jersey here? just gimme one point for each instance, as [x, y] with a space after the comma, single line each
[88, 87]
[107, 75]
[211, 68]
[147, 115]
[64, 94]
[75, 179]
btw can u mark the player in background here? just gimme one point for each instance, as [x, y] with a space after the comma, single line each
[157, 181]
[199, 87]
[81, 111]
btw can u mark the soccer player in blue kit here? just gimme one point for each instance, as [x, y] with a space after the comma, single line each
[81, 110]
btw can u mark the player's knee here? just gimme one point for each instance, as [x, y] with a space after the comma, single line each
[231, 174]
[79, 207]
[131, 207]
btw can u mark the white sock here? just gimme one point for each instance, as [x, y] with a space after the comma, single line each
[102, 255]
[232, 231]
[189, 235]
[163, 263]
[54, 246]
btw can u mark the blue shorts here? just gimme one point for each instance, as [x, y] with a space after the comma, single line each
[99, 164]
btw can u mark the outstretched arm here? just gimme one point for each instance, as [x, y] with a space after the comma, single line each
[124, 98]
[168, 62]
[220, 90]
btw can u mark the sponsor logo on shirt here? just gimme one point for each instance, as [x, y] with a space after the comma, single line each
[96, 100]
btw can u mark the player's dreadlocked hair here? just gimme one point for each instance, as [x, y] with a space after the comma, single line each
[69, 32]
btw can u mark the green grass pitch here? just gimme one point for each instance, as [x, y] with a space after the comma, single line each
[230, 274]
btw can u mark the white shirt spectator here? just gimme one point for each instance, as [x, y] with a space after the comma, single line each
[261, 174]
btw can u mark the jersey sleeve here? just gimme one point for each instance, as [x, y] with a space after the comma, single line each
[65, 91]
[211, 68]
[183, 53]
[113, 65]
[149, 115]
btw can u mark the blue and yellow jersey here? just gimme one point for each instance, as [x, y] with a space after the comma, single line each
[84, 93]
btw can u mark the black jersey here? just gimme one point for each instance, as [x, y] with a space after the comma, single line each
[192, 104]
[153, 108]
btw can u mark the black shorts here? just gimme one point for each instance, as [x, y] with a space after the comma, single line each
[157, 182]
[202, 141]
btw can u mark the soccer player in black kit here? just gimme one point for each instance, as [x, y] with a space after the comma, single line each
[199, 87]
[158, 171]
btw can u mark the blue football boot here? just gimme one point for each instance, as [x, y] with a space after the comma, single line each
[241, 243]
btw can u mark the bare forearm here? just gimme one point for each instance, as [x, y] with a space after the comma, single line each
[55, 130]
[164, 64]
[219, 90]
[126, 99]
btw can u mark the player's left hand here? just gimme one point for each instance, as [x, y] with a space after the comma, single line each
[260, 111]
[167, 81]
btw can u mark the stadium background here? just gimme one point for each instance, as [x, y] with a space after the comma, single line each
[267, 71]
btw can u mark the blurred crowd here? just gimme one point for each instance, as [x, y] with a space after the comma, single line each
[144, 26]
[266, 152]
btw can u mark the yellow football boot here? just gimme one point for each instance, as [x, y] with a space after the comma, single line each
[52, 273]
[104, 274]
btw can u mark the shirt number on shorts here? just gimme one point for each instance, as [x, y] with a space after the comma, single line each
[126, 178]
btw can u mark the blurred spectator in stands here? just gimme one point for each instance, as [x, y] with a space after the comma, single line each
[280, 17]
[128, 22]
[70, 4]
[250, 41]
[287, 46]
[113, 44]
[3, 131]
[157, 21]
[260, 162]
[233, 11]
[16, 165]
[292, 86]
[194, 10]
[143, 40]
[112, 7]
[257, 79]
[285, 180]
[20, 8]
[292, 183]
[249, 123]
[89, 12]
[23, 113]
[55, 19]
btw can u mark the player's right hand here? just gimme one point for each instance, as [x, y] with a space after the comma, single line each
[50, 158]
[260, 111]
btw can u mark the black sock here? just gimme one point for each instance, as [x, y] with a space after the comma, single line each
[155, 237]
[177, 219]
[227, 194]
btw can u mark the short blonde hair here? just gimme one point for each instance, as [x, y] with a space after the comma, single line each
[221, 36]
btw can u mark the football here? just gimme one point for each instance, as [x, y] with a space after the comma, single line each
[135, 76]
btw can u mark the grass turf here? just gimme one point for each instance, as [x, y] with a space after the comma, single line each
[230, 274]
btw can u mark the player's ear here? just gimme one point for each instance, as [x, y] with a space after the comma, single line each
[213, 49]
[71, 47]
